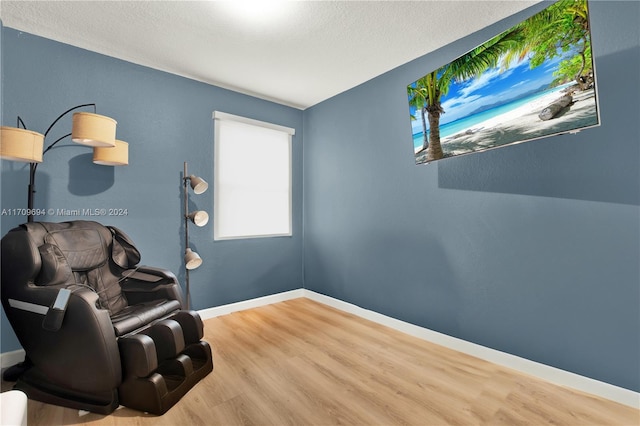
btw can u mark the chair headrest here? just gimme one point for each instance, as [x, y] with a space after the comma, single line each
[82, 245]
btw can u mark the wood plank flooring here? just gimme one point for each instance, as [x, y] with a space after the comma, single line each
[302, 363]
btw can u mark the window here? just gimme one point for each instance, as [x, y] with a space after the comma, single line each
[252, 178]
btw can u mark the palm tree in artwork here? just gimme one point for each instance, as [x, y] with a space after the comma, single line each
[555, 31]
[418, 99]
[550, 33]
[436, 84]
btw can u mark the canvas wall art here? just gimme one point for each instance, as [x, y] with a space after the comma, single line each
[534, 80]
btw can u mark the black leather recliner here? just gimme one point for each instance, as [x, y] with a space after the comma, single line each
[98, 330]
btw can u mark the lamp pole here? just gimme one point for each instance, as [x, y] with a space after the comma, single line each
[34, 166]
[186, 229]
[191, 259]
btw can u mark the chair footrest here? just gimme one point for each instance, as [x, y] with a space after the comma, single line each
[191, 323]
[168, 338]
[160, 390]
[142, 353]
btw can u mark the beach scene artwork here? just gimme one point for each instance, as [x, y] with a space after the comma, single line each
[534, 80]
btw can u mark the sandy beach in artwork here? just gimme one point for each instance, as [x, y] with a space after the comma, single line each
[521, 124]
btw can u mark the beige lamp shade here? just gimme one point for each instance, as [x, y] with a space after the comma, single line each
[21, 145]
[198, 184]
[116, 156]
[191, 259]
[200, 217]
[93, 129]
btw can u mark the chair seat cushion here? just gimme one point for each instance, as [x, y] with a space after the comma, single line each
[136, 316]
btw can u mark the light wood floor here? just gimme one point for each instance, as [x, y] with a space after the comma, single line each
[303, 363]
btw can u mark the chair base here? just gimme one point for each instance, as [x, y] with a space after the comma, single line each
[159, 391]
[36, 387]
[13, 373]
[154, 394]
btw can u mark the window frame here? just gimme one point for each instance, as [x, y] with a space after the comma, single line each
[219, 116]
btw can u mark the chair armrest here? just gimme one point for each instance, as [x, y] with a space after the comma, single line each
[55, 315]
[85, 343]
[146, 283]
[145, 277]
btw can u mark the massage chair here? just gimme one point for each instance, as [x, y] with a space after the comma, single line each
[98, 329]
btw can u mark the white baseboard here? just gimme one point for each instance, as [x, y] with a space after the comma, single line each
[545, 372]
[252, 303]
[7, 359]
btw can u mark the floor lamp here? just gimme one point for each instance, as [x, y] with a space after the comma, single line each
[199, 217]
[89, 129]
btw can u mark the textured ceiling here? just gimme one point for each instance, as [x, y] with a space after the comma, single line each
[298, 54]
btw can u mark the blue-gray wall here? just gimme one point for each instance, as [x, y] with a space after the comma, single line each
[531, 249]
[167, 120]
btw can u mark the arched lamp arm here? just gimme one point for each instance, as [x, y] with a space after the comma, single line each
[34, 166]
[65, 113]
[24, 126]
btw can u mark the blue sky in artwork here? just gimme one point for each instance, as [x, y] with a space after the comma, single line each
[494, 86]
